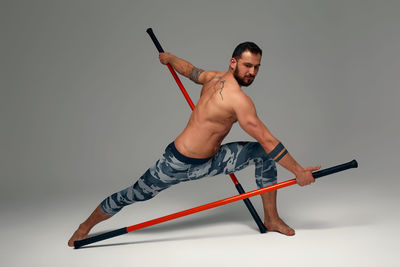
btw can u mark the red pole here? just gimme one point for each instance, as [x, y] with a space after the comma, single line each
[178, 81]
[235, 181]
[124, 230]
[316, 175]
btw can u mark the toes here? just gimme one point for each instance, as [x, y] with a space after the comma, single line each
[290, 232]
[286, 231]
[71, 242]
[76, 236]
[281, 228]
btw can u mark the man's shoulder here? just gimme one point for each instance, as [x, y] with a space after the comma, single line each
[239, 100]
[210, 75]
[237, 94]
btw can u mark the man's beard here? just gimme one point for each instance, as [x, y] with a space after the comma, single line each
[241, 81]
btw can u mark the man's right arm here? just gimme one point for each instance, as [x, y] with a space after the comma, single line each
[186, 69]
[249, 122]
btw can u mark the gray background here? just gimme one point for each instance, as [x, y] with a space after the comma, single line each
[86, 108]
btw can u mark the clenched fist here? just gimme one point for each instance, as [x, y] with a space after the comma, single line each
[164, 57]
[305, 177]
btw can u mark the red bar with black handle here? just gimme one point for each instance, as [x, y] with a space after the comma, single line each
[316, 175]
[238, 186]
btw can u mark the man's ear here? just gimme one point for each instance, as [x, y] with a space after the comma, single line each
[233, 63]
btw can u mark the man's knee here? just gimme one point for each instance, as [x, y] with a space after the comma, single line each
[108, 207]
[268, 175]
[258, 151]
[264, 182]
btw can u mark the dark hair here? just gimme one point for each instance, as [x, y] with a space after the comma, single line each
[246, 46]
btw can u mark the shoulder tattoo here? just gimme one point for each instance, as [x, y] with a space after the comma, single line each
[222, 87]
[195, 74]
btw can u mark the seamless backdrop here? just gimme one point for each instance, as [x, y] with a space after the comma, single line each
[86, 108]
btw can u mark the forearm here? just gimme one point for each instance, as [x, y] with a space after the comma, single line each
[281, 156]
[289, 163]
[182, 66]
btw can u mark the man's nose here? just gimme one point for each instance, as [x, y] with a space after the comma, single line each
[252, 71]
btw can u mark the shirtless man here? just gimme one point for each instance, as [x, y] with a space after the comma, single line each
[197, 152]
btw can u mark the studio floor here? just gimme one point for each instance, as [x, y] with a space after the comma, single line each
[86, 107]
[357, 227]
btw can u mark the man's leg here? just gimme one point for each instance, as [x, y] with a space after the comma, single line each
[82, 232]
[235, 156]
[271, 218]
[166, 172]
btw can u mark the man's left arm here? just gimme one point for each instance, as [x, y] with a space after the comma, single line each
[249, 121]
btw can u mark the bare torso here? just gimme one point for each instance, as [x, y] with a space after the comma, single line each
[211, 120]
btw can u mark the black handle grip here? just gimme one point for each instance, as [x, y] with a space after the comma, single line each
[154, 39]
[90, 240]
[338, 168]
[252, 210]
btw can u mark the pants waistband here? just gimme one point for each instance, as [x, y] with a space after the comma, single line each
[184, 158]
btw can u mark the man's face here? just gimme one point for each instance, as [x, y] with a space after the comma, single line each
[246, 67]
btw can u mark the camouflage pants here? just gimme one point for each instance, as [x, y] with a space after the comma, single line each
[173, 168]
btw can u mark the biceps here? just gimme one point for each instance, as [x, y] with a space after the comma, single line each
[256, 129]
[195, 74]
[201, 76]
[252, 126]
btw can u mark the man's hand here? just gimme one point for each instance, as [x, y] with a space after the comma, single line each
[164, 58]
[304, 177]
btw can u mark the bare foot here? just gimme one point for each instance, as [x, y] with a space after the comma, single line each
[78, 235]
[277, 225]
